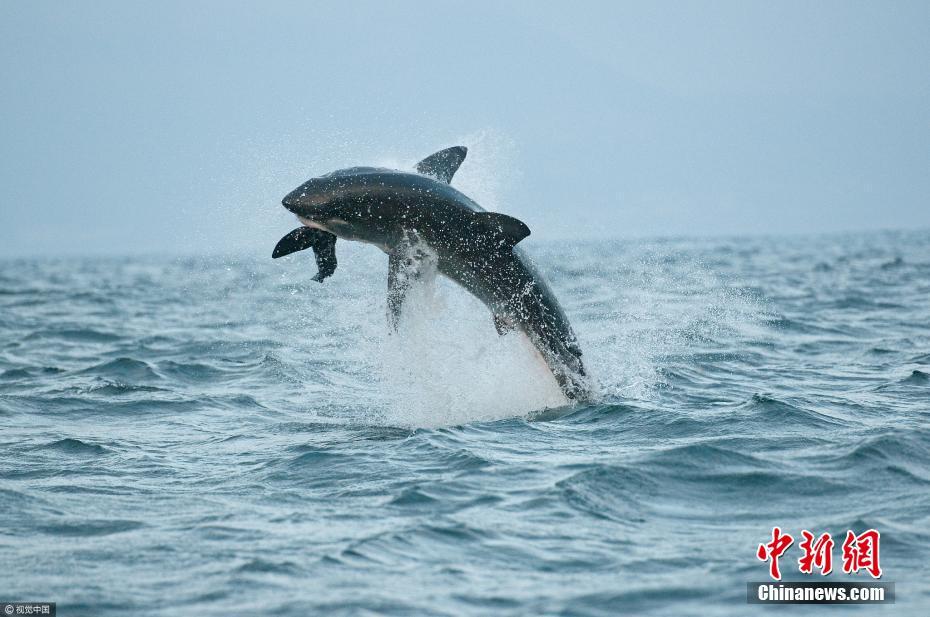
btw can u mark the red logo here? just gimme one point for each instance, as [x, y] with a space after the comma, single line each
[859, 552]
[773, 550]
[819, 553]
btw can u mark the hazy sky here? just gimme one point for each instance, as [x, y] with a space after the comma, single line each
[178, 126]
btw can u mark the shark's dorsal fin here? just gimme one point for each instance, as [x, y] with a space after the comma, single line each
[443, 164]
[507, 229]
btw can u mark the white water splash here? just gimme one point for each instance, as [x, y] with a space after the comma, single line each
[447, 365]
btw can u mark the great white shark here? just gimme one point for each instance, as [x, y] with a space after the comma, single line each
[421, 221]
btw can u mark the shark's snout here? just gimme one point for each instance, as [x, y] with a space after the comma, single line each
[291, 202]
[303, 202]
[308, 197]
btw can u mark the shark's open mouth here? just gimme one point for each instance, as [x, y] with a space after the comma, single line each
[312, 224]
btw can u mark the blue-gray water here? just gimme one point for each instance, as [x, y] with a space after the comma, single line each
[209, 436]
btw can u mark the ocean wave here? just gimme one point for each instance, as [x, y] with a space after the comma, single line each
[917, 378]
[29, 372]
[123, 389]
[778, 413]
[191, 372]
[74, 446]
[77, 335]
[127, 369]
[903, 457]
[88, 528]
[705, 458]
[608, 492]
[267, 566]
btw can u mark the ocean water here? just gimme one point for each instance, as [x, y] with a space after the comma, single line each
[221, 435]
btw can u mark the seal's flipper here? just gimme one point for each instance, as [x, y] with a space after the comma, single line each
[443, 164]
[507, 230]
[407, 263]
[322, 242]
[298, 240]
[324, 250]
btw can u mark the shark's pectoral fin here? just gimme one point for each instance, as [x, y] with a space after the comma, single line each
[503, 324]
[322, 242]
[443, 164]
[407, 264]
[505, 230]
[397, 289]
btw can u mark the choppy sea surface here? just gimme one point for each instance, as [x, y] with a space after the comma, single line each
[218, 436]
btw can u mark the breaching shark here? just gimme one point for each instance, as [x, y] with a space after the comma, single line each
[421, 222]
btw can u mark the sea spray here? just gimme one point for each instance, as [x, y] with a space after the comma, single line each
[446, 364]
